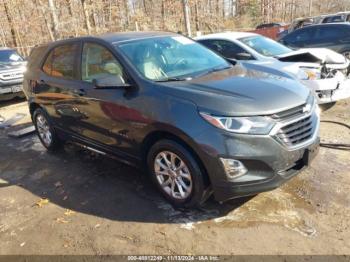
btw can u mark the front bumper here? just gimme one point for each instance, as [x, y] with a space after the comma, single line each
[269, 162]
[267, 178]
[11, 89]
[329, 90]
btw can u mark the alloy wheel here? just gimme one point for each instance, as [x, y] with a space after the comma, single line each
[44, 130]
[173, 175]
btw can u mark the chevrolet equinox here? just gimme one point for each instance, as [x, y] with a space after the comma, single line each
[200, 124]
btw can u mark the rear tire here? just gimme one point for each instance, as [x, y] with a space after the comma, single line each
[45, 131]
[176, 174]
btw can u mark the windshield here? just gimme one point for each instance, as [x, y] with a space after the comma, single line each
[171, 57]
[265, 46]
[9, 56]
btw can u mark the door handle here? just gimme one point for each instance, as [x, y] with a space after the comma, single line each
[79, 92]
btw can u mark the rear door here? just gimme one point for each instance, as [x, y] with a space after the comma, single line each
[331, 36]
[303, 37]
[57, 87]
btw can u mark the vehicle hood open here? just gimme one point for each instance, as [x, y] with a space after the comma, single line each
[240, 91]
[315, 55]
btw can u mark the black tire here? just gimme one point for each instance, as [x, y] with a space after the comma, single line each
[56, 143]
[198, 192]
[327, 106]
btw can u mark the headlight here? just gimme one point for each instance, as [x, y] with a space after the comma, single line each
[312, 74]
[256, 125]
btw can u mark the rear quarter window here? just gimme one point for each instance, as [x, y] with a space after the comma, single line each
[60, 62]
[36, 57]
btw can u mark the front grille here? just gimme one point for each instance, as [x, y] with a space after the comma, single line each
[290, 113]
[11, 75]
[296, 132]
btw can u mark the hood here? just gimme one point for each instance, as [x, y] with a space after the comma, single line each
[12, 66]
[314, 55]
[240, 91]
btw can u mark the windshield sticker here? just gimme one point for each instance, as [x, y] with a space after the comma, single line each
[183, 40]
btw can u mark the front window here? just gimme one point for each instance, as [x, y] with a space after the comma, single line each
[171, 57]
[98, 64]
[265, 46]
[10, 56]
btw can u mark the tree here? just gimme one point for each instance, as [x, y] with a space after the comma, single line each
[186, 11]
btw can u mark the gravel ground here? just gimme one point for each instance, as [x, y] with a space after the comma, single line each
[73, 202]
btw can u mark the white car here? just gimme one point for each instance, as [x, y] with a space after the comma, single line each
[322, 70]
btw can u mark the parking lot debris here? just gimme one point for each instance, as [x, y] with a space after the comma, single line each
[58, 184]
[22, 132]
[69, 212]
[42, 202]
[12, 120]
[61, 220]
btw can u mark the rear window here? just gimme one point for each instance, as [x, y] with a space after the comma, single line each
[61, 61]
[334, 19]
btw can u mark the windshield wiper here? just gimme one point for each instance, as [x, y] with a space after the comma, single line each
[171, 79]
[215, 69]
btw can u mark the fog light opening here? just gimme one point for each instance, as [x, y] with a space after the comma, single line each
[233, 168]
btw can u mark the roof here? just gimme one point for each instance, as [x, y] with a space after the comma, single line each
[126, 36]
[117, 37]
[327, 24]
[227, 35]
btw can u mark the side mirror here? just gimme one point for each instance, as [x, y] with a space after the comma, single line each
[244, 56]
[110, 82]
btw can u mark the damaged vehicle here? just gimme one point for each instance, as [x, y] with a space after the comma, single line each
[160, 100]
[12, 68]
[323, 71]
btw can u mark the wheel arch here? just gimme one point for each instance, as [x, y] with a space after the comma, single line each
[156, 136]
[32, 107]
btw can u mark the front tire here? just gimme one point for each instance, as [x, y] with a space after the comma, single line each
[45, 131]
[176, 174]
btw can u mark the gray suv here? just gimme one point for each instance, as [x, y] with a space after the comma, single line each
[12, 67]
[197, 123]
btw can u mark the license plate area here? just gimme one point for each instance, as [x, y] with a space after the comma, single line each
[16, 89]
[310, 153]
[11, 89]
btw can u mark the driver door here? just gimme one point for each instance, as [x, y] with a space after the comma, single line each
[106, 109]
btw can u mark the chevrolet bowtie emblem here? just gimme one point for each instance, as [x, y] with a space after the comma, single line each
[307, 108]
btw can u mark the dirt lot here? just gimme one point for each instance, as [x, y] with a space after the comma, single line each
[75, 203]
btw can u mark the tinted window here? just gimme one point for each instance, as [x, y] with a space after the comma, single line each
[333, 19]
[47, 67]
[60, 62]
[99, 63]
[223, 47]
